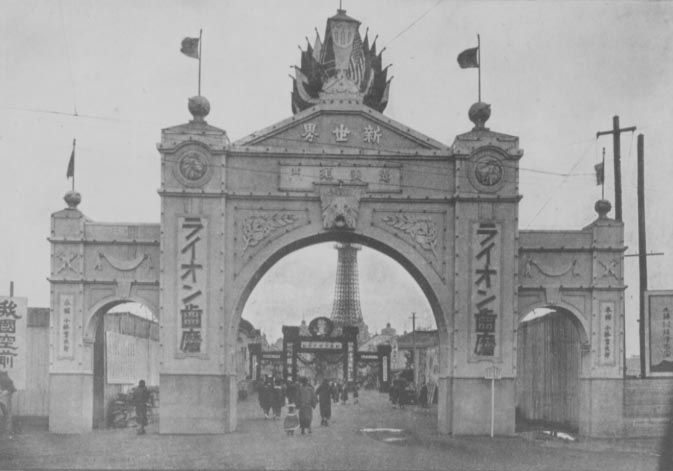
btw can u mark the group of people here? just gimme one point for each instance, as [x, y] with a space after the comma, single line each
[272, 394]
[401, 394]
[302, 398]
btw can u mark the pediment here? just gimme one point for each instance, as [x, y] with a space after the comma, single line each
[347, 127]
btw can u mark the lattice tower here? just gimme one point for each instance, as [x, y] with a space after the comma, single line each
[346, 309]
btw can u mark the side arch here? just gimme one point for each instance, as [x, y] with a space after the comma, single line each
[584, 331]
[107, 303]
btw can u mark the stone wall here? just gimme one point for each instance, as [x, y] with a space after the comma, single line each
[647, 406]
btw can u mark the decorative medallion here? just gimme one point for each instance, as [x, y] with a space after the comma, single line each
[422, 229]
[256, 228]
[487, 172]
[321, 327]
[193, 168]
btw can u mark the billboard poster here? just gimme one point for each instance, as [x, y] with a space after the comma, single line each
[13, 352]
[658, 338]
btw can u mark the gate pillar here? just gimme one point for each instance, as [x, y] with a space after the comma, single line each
[486, 228]
[198, 392]
[70, 369]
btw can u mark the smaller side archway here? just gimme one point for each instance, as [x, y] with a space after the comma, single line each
[123, 339]
[552, 355]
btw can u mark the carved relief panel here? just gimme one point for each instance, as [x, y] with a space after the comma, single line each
[424, 231]
[254, 228]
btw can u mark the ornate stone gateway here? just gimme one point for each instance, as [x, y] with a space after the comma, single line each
[337, 170]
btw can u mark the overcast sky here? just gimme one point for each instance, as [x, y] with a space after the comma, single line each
[554, 73]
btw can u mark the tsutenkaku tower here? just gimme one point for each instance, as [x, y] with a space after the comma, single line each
[346, 309]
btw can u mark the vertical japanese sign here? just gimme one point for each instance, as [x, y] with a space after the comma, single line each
[607, 333]
[351, 362]
[659, 339]
[13, 314]
[485, 276]
[192, 286]
[66, 316]
[289, 361]
[384, 368]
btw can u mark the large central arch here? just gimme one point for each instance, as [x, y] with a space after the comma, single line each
[428, 206]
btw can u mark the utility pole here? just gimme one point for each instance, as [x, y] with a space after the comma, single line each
[616, 149]
[642, 249]
[413, 339]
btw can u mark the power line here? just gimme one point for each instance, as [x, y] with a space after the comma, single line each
[67, 55]
[411, 25]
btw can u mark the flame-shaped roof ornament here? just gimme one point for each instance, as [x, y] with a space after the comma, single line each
[342, 67]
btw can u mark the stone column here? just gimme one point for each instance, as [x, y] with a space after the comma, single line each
[70, 360]
[486, 250]
[198, 394]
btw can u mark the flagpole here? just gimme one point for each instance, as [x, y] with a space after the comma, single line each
[200, 42]
[603, 183]
[74, 141]
[479, 64]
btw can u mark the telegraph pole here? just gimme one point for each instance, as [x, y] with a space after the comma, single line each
[413, 339]
[616, 149]
[642, 249]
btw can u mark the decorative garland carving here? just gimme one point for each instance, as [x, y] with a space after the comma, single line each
[530, 263]
[119, 264]
[422, 229]
[256, 228]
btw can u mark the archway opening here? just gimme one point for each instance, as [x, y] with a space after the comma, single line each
[549, 363]
[125, 351]
[308, 283]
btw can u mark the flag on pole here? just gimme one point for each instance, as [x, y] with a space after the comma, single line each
[469, 58]
[600, 173]
[71, 163]
[190, 47]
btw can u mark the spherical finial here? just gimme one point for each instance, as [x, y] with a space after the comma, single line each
[72, 198]
[602, 207]
[199, 107]
[479, 114]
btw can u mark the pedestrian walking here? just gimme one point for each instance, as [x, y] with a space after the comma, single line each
[394, 393]
[334, 392]
[141, 396]
[291, 422]
[277, 398]
[291, 392]
[423, 396]
[264, 397]
[344, 395]
[306, 401]
[7, 390]
[356, 394]
[402, 393]
[325, 401]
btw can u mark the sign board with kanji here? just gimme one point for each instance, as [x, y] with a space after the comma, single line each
[658, 333]
[13, 348]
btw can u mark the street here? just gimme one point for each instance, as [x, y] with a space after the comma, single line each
[262, 444]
